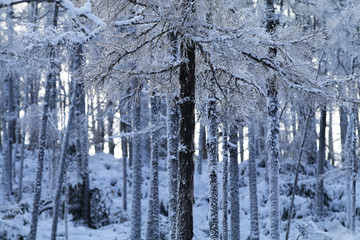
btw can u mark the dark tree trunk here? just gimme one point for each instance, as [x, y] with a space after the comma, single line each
[320, 167]
[110, 117]
[202, 148]
[184, 215]
[124, 149]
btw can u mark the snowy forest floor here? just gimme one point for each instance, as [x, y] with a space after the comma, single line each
[106, 175]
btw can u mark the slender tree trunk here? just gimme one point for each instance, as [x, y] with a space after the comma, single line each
[184, 215]
[320, 167]
[172, 165]
[331, 156]
[41, 156]
[254, 215]
[172, 145]
[343, 130]
[202, 148]
[350, 147]
[135, 230]
[153, 232]
[110, 117]
[241, 142]
[21, 167]
[213, 172]
[124, 149]
[297, 176]
[234, 184]
[225, 150]
[59, 187]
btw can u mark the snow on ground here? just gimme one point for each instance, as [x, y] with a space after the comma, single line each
[106, 175]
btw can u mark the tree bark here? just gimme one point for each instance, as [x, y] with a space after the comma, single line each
[234, 184]
[225, 151]
[172, 166]
[41, 156]
[254, 215]
[184, 210]
[320, 167]
[202, 148]
[135, 228]
[212, 143]
[153, 232]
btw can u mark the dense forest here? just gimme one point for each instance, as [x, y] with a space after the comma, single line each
[191, 119]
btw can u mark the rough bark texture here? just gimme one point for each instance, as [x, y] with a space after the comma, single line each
[153, 232]
[225, 151]
[172, 164]
[212, 170]
[254, 215]
[234, 184]
[320, 167]
[135, 230]
[273, 159]
[184, 209]
[273, 132]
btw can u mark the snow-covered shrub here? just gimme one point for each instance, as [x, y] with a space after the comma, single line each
[100, 209]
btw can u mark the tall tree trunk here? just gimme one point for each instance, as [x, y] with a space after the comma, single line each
[234, 184]
[153, 232]
[172, 165]
[41, 156]
[225, 151]
[124, 149]
[273, 132]
[213, 171]
[135, 229]
[59, 187]
[184, 214]
[350, 147]
[83, 138]
[320, 167]
[254, 215]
